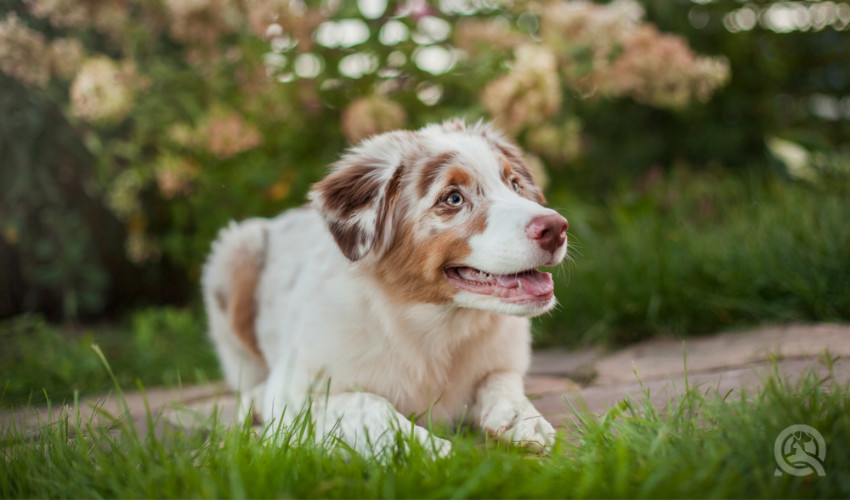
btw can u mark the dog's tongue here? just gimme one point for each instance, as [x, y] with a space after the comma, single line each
[531, 285]
[531, 282]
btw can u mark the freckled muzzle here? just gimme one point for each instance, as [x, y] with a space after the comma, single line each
[503, 266]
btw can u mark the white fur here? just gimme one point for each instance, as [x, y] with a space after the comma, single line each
[364, 359]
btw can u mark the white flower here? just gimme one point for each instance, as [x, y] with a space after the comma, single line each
[529, 94]
[24, 54]
[102, 92]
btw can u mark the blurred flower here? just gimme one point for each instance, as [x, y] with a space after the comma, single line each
[529, 94]
[202, 22]
[122, 197]
[607, 49]
[106, 16]
[581, 22]
[65, 56]
[182, 134]
[24, 54]
[284, 23]
[477, 35]
[61, 13]
[109, 17]
[368, 116]
[174, 175]
[103, 92]
[559, 144]
[263, 13]
[661, 70]
[796, 158]
[228, 134]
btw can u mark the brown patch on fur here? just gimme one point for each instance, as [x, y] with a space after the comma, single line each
[348, 190]
[221, 300]
[352, 189]
[349, 238]
[459, 177]
[389, 203]
[507, 172]
[518, 166]
[432, 170]
[478, 223]
[245, 270]
[412, 269]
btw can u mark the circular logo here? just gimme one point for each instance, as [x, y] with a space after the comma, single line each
[799, 450]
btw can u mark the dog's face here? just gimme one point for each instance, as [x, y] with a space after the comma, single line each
[449, 214]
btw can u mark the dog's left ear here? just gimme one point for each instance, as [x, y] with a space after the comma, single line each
[358, 198]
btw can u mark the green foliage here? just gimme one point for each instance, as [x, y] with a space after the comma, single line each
[778, 77]
[135, 130]
[698, 254]
[170, 119]
[701, 445]
[155, 347]
[42, 205]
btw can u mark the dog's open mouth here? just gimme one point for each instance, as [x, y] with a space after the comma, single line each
[526, 286]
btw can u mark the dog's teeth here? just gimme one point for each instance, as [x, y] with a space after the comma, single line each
[519, 285]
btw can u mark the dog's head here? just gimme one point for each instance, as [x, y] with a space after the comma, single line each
[449, 214]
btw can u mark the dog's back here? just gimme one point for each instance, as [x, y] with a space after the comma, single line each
[231, 280]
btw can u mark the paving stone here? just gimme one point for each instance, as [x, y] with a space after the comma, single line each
[538, 386]
[199, 413]
[661, 358]
[98, 409]
[598, 399]
[577, 365]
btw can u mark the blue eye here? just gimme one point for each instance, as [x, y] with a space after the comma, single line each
[454, 200]
[516, 187]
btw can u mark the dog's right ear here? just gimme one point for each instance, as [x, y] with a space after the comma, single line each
[357, 200]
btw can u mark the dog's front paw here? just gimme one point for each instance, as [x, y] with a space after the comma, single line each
[518, 423]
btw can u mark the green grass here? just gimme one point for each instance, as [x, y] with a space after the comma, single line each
[699, 254]
[700, 445]
[154, 346]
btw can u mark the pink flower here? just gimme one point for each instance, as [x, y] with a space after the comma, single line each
[368, 116]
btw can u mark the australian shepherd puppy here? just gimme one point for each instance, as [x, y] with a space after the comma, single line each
[403, 288]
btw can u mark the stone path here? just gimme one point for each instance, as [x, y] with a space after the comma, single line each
[592, 380]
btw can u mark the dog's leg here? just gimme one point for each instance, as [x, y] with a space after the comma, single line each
[366, 422]
[503, 411]
[369, 423]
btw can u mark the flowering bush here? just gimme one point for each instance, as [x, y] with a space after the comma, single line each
[198, 111]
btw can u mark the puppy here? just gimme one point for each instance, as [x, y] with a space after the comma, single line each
[403, 289]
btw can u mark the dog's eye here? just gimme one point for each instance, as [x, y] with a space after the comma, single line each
[516, 187]
[454, 200]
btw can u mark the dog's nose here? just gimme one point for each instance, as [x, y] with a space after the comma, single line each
[548, 231]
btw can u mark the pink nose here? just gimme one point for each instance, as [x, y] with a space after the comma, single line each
[548, 231]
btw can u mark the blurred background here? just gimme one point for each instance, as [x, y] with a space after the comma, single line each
[699, 148]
